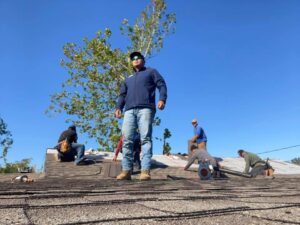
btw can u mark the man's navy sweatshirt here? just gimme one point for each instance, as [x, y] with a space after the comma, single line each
[138, 90]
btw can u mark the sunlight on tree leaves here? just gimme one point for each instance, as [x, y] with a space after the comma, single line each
[166, 145]
[96, 71]
[5, 139]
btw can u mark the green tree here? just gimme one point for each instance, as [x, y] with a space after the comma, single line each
[5, 139]
[166, 145]
[296, 160]
[96, 71]
[17, 166]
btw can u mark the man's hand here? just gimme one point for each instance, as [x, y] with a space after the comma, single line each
[115, 158]
[194, 138]
[118, 113]
[161, 105]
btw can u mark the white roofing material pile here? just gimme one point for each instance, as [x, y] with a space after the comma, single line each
[237, 164]
[281, 167]
[90, 153]
[171, 160]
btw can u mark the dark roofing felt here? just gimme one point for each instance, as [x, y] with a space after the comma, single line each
[178, 199]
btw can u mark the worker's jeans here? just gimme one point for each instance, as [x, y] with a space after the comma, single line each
[141, 118]
[258, 170]
[202, 145]
[76, 150]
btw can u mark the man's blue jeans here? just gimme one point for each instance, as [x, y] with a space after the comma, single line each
[142, 119]
[76, 150]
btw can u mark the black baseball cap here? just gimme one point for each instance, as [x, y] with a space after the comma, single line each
[133, 54]
[72, 127]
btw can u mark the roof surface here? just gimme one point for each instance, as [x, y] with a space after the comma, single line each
[69, 194]
[183, 201]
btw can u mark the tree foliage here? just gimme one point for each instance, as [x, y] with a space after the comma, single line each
[166, 145]
[5, 139]
[18, 166]
[296, 160]
[96, 71]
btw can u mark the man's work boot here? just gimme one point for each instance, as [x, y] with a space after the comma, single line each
[145, 175]
[124, 175]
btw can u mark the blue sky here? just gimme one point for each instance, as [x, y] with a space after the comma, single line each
[234, 65]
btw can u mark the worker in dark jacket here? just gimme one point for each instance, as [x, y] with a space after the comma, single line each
[253, 161]
[137, 98]
[76, 149]
[136, 151]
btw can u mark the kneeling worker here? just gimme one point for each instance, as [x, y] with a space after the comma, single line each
[203, 158]
[75, 149]
[259, 166]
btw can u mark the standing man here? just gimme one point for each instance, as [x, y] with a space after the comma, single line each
[199, 135]
[137, 95]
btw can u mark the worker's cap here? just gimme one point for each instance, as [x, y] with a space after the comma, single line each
[194, 121]
[136, 55]
[73, 127]
[240, 151]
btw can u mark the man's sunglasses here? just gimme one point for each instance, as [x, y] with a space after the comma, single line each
[136, 58]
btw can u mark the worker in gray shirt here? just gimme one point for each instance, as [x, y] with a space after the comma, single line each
[202, 156]
[255, 162]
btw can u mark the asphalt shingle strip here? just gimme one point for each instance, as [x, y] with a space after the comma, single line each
[63, 201]
[106, 169]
